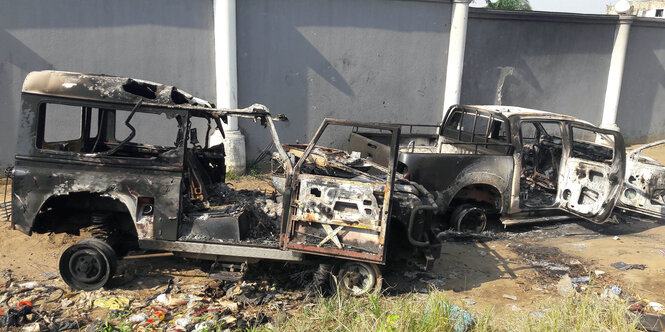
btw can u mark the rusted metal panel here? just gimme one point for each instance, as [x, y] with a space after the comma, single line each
[359, 208]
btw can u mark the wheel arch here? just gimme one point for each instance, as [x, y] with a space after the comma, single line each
[469, 187]
[77, 203]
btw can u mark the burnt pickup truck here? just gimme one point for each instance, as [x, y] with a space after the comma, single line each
[120, 159]
[520, 165]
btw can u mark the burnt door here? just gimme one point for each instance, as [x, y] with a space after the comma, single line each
[592, 171]
[644, 186]
[340, 203]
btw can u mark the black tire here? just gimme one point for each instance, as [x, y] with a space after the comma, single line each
[469, 218]
[88, 265]
[353, 278]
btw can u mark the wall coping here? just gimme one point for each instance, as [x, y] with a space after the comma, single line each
[538, 16]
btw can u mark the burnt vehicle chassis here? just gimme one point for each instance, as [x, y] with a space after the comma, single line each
[134, 195]
[511, 163]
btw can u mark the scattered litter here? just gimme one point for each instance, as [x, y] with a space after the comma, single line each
[599, 272]
[656, 307]
[138, 318]
[16, 317]
[29, 285]
[538, 314]
[203, 326]
[565, 286]
[112, 302]
[183, 322]
[66, 324]
[463, 319]
[625, 266]
[32, 327]
[468, 301]
[616, 289]
[515, 308]
[158, 315]
[162, 298]
[49, 275]
[615, 238]
[510, 297]
[581, 279]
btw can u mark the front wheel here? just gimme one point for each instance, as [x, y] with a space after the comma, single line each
[88, 265]
[357, 279]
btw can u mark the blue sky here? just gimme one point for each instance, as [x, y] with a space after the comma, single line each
[569, 6]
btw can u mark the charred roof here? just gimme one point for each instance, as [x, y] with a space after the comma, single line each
[105, 88]
[125, 90]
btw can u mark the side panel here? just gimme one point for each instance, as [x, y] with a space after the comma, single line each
[36, 180]
[373, 150]
[445, 174]
[41, 174]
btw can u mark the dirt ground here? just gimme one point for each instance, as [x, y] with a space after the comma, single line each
[516, 269]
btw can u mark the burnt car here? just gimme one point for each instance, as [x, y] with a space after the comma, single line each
[517, 164]
[644, 185]
[121, 159]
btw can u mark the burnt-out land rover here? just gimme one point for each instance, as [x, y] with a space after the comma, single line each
[122, 159]
[521, 165]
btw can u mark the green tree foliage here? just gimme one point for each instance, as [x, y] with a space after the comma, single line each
[509, 4]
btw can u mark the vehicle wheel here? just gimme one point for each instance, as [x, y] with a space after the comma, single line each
[357, 279]
[88, 265]
[469, 218]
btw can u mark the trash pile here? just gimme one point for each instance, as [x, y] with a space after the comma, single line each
[182, 304]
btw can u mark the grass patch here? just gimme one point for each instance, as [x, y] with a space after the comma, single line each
[582, 312]
[435, 312]
[413, 312]
[253, 170]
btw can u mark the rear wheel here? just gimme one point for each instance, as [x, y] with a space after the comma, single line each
[469, 218]
[88, 265]
[357, 279]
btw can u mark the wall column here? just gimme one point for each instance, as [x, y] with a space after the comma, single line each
[615, 74]
[456, 44]
[226, 78]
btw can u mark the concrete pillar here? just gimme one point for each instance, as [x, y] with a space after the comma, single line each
[456, 44]
[615, 74]
[226, 78]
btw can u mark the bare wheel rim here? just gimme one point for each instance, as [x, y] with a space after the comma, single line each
[357, 278]
[87, 265]
[472, 219]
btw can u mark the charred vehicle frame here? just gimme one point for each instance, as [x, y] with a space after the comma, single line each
[517, 164]
[103, 176]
